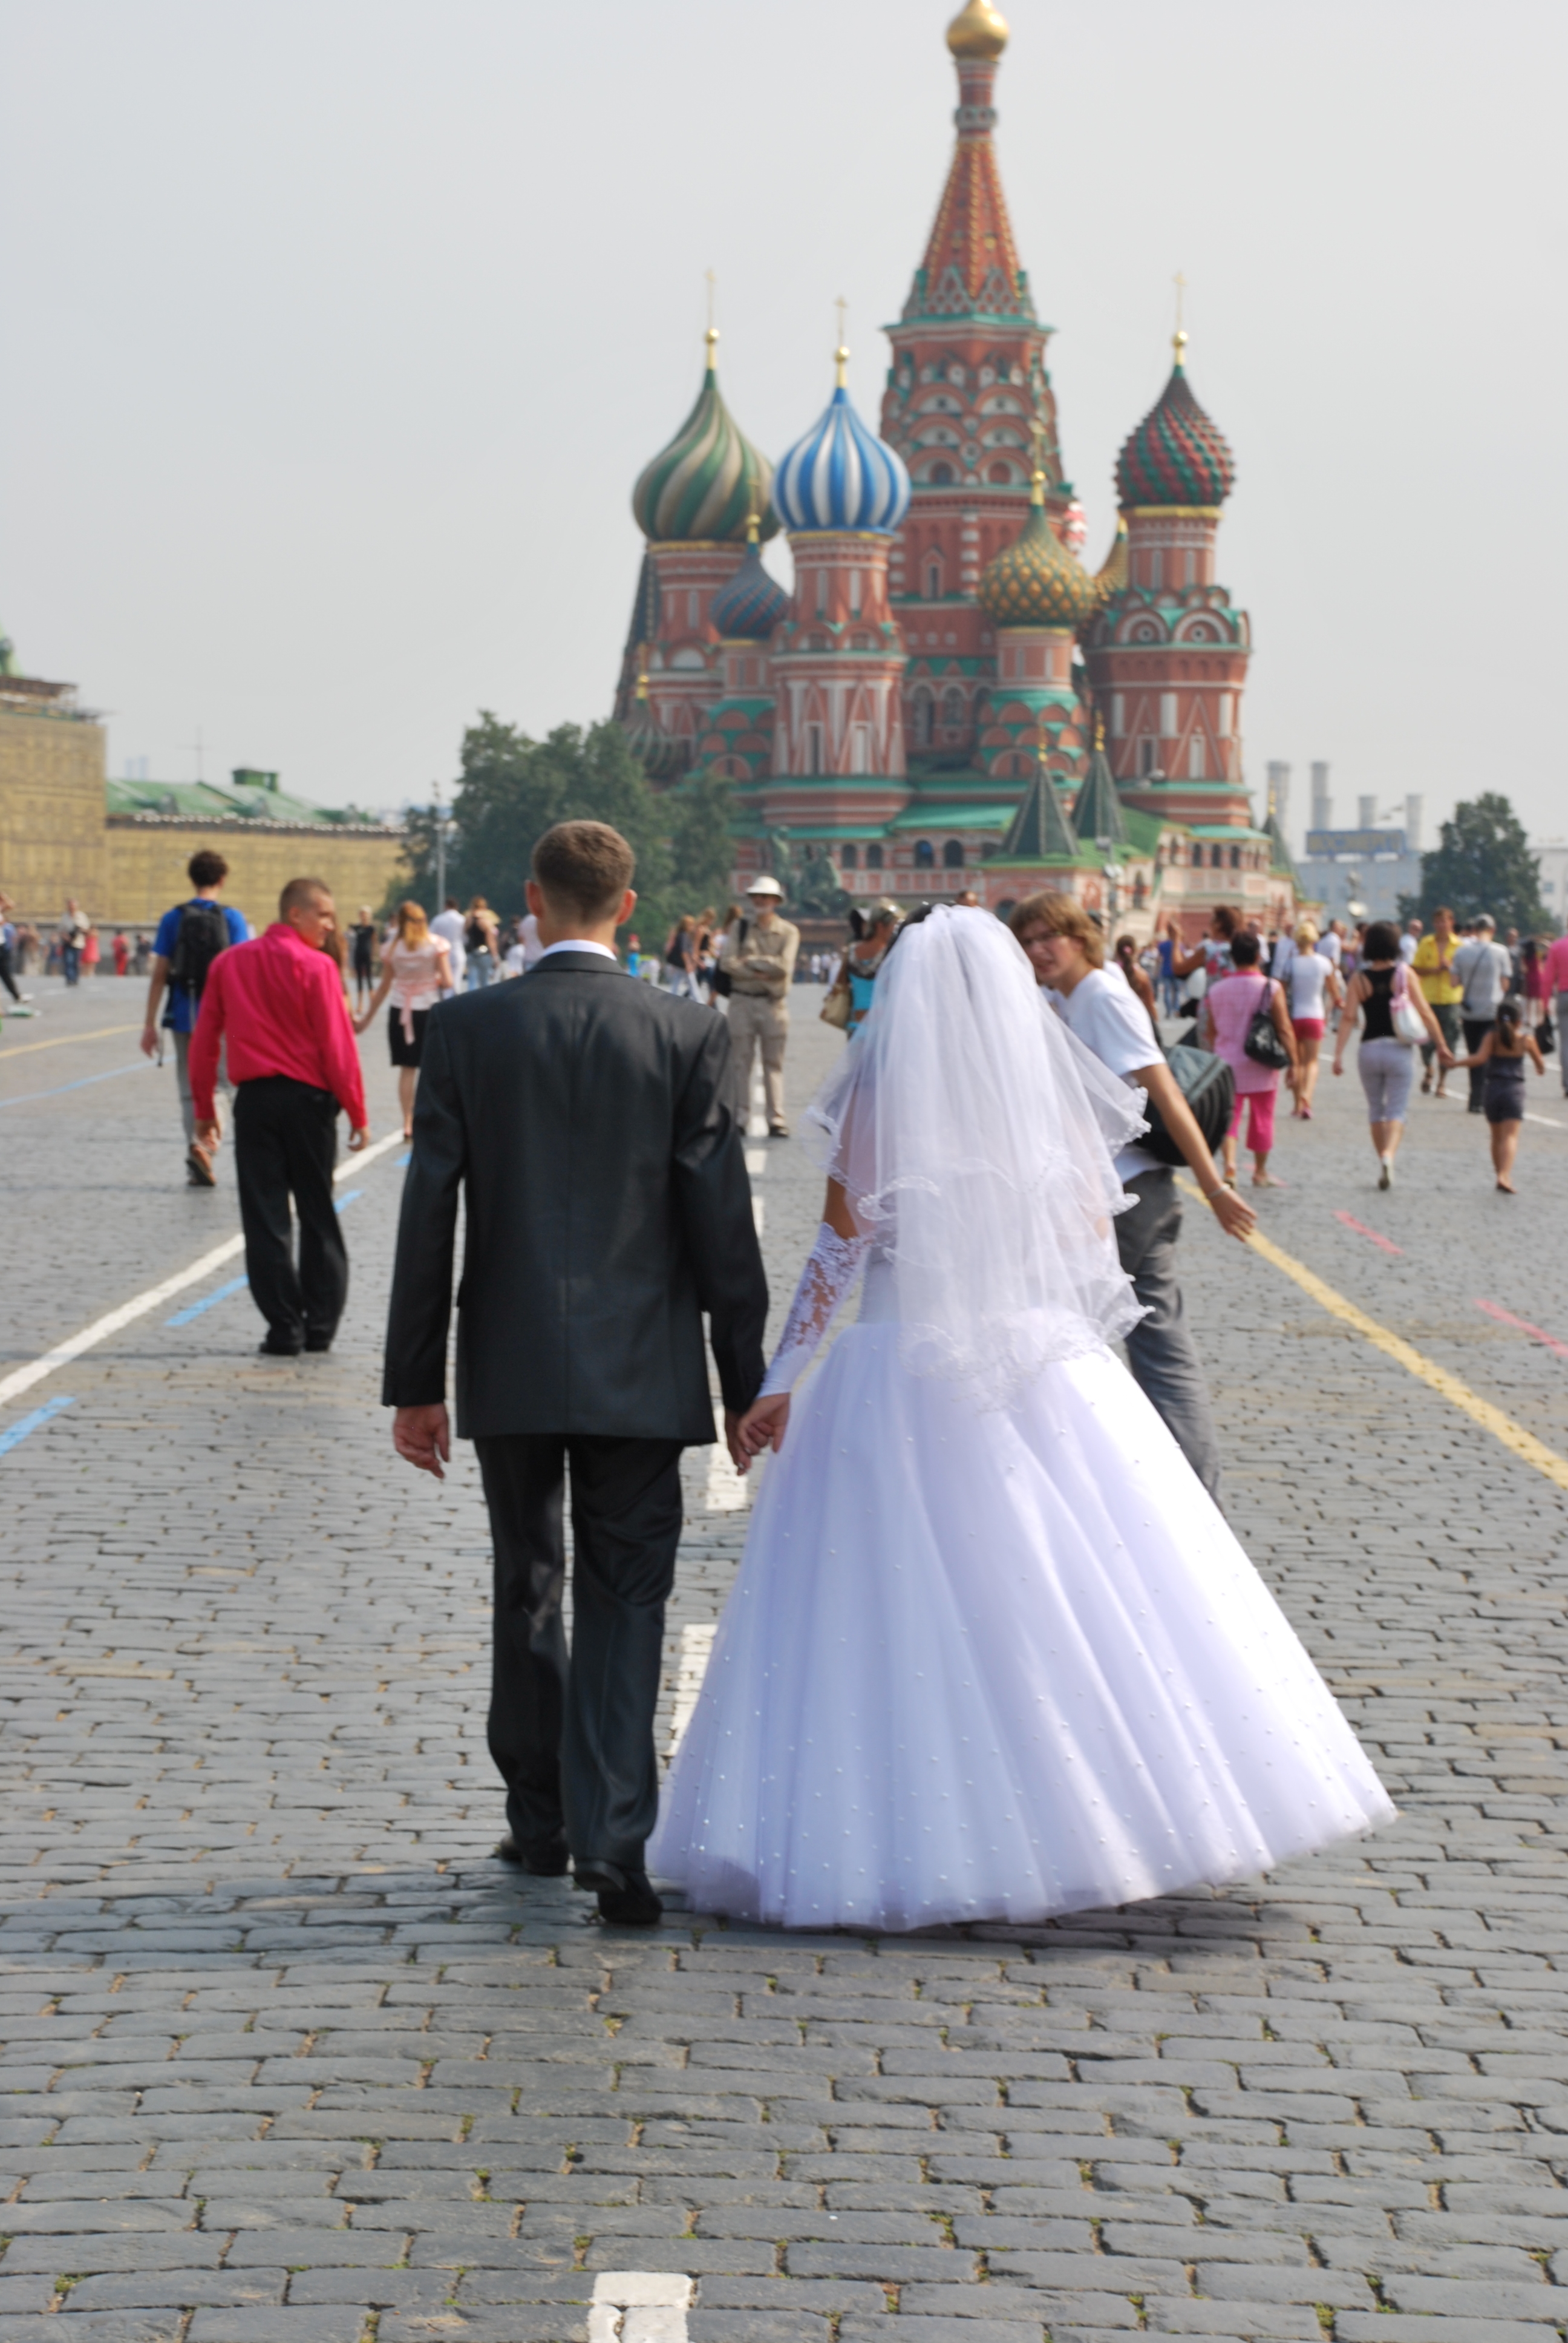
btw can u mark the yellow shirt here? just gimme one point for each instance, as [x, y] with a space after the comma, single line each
[1440, 989]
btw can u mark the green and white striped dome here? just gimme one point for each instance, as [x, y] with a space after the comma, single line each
[709, 479]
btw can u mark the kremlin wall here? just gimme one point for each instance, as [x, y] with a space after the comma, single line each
[950, 700]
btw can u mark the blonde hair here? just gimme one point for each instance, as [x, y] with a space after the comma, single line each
[413, 924]
[1306, 936]
[1061, 915]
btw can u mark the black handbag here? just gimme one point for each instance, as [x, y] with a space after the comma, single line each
[1264, 1044]
[1547, 1036]
[1208, 1087]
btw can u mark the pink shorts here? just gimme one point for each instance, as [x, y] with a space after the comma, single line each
[1259, 1123]
[1314, 1027]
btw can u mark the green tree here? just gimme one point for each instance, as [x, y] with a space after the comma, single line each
[512, 789]
[702, 856]
[1482, 863]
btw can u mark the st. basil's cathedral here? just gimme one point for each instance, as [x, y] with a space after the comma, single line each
[950, 700]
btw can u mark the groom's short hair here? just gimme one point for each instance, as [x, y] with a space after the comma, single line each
[1061, 915]
[585, 867]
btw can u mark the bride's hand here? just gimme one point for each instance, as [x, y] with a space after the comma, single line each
[763, 1425]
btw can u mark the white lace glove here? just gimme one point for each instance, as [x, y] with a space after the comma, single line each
[831, 1267]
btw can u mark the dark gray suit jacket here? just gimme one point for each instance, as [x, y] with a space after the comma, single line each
[584, 1117]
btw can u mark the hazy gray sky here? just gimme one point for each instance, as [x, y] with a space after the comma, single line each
[335, 332]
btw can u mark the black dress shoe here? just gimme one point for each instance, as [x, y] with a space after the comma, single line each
[542, 1858]
[318, 1342]
[626, 1898]
[272, 1348]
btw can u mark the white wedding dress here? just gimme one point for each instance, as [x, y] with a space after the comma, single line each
[992, 1652]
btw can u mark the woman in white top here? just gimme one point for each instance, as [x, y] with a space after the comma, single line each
[1313, 983]
[416, 970]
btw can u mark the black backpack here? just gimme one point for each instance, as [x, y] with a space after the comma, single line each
[1208, 1087]
[203, 934]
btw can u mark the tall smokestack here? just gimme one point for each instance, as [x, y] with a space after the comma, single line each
[1322, 804]
[1414, 807]
[1366, 813]
[1279, 797]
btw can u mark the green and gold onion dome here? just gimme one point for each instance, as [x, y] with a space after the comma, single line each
[1035, 581]
[704, 485]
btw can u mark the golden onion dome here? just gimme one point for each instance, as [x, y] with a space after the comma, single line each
[1035, 581]
[977, 30]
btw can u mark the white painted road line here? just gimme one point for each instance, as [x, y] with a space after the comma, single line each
[23, 1379]
[690, 1668]
[639, 2306]
[756, 1161]
[759, 1213]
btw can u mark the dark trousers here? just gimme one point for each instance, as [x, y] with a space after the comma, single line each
[1476, 1030]
[573, 1739]
[6, 979]
[284, 1141]
[1161, 1351]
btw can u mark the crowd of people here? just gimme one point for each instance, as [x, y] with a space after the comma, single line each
[1002, 1135]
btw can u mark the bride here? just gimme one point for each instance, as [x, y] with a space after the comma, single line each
[992, 1652]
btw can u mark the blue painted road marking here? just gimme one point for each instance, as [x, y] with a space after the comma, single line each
[15, 1432]
[29, 1096]
[183, 1317]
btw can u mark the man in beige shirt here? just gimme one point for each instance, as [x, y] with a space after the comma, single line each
[760, 961]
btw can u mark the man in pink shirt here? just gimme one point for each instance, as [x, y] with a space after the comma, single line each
[1557, 983]
[293, 1062]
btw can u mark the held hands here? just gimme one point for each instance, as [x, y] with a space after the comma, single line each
[763, 1425]
[422, 1437]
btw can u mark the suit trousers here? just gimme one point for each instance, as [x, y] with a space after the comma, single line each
[284, 1143]
[756, 1022]
[1161, 1351]
[572, 1738]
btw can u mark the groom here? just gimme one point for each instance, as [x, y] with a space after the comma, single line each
[585, 1118]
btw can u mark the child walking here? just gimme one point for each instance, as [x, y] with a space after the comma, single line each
[1504, 1054]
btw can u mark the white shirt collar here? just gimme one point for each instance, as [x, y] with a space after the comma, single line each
[577, 943]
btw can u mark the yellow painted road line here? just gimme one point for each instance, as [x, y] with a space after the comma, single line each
[1513, 1436]
[58, 1040]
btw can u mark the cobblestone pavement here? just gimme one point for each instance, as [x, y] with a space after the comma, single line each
[285, 2053]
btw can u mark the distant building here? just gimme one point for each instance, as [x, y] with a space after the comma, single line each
[121, 848]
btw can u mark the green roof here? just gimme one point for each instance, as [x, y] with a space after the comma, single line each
[206, 801]
[1098, 813]
[1041, 830]
[955, 817]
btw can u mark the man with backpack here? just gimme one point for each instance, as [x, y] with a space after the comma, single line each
[189, 938]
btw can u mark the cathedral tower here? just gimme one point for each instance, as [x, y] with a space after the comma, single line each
[693, 503]
[966, 387]
[1168, 654]
[838, 659]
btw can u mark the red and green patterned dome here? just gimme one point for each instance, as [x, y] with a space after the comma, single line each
[1176, 456]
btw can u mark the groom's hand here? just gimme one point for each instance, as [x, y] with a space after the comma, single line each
[422, 1436]
[763, 1425]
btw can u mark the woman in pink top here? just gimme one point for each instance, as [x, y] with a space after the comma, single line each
[416, 970]
[1230, 1007]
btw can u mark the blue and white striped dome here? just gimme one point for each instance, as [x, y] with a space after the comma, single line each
[841, 475]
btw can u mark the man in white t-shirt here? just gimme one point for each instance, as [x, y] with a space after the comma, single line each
[448, 922]
[1332, 945]
[1410, 942]
[1067, 952]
